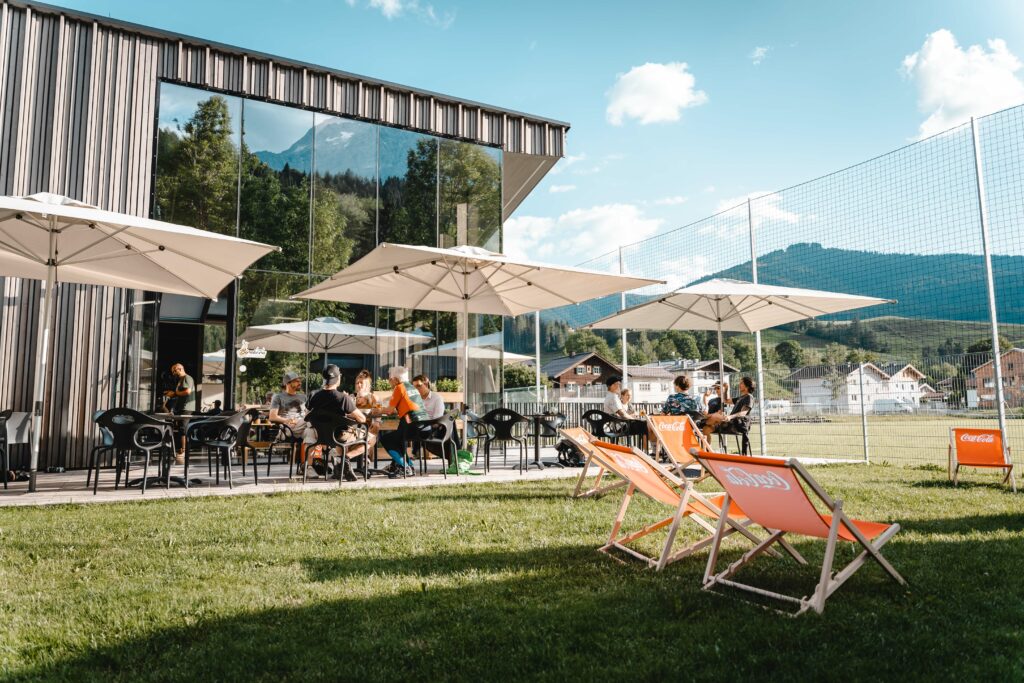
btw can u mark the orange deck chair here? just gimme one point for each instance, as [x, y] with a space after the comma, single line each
[770, 492]
[676, 435]
[582, 439]
[979, 448]
[656, 482]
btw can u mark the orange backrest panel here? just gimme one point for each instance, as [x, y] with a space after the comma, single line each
[636, 470]
[768, 491]
[676, 433]
[982, 447]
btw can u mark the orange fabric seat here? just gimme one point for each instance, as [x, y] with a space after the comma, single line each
[979, 448]
[776, 494]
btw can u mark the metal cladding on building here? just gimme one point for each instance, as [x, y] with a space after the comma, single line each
[79, 99]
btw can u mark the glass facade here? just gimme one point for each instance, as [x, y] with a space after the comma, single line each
[327, 190]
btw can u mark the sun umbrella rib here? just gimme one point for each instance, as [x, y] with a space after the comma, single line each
[111, 236]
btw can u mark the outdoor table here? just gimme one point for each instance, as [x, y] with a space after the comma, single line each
[537, 419]
[164, 477]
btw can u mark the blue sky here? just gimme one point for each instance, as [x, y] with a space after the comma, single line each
[655, 145]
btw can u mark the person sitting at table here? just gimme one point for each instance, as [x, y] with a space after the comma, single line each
[216, 409]
[626, 396]
[364, 389]
[681, 402]
[288, 407]
[407, 404]
[330, 398]
[737, 421]
[432, 402]
[612, 398]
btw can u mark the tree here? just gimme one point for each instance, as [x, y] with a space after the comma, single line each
[686, 344]
[834, 354]
[664, 349]
[790, 353]
[586, 341]
[522, 376]
[743, 352]
[985, 345]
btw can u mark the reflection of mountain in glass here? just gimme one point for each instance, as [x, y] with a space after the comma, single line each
[340, 145]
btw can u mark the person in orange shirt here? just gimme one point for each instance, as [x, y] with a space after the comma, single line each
[407, 404]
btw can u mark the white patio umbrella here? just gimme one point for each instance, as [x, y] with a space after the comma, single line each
[464, 280]
[326, 335]
[55, 239]
[733, 306]
[485, 347]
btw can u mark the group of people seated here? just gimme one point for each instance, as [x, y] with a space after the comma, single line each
[707, 410]
[410, 402]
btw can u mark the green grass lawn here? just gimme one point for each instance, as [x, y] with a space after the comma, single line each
[493, 582]
[894, 439]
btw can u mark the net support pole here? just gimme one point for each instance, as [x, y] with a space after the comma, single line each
[625, 342]
[757, 335]
[536, 351]
[863, 414]
[997, 366]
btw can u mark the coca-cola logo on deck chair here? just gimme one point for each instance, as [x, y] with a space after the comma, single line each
[769, 480]
[987, 437]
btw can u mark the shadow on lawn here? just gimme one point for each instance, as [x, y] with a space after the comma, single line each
[578, 615]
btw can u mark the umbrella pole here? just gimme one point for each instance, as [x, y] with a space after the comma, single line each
[465, 347]
[721, 368]
[42, 351]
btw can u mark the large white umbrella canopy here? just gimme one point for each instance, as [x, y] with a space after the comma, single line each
[465, 279]
[90, 246]
[55, 239]
[733, 306]
[327, 335]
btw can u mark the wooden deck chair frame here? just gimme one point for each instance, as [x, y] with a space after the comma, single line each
[955, 463]
[680, 460]
[658, 483]
[582, 438]
[839, 527]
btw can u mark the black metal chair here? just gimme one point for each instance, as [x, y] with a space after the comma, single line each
[738, 428]
[223, 434]
[329, 426]
[130, 432]
[6, 464]
[548, 426]
[603, 426]
[280, 436]
[436, 436]
[502, 424]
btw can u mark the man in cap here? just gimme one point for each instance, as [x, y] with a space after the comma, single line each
[613, 399]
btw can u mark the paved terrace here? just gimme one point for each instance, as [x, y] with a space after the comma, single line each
[69, 487]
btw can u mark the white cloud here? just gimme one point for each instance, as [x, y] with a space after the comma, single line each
[653, 93]
[671, 201]
[577, 235]
[555, 189]
[954, 84]
[764, 208]
[758, 54]
[392, 9]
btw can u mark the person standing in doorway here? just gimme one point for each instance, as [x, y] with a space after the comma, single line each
[182, 400]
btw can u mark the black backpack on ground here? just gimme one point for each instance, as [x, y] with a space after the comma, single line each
[569, 454]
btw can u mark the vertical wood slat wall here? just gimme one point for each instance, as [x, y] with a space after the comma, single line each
[78, 100]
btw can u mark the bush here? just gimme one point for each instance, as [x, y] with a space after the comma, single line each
[446, 384]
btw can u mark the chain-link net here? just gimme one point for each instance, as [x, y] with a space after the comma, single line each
[884, 383]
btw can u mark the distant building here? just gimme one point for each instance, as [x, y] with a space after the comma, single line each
[890, 388]
[702, 373]
[1012, 362]
[649, 383]
[579, 370]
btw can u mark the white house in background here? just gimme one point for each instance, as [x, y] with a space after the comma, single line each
[893, 388]
[649, 383]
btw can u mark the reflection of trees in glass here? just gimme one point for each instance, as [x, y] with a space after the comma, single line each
[197, 170]
[344, 220]
[275, 209]
[470, 178]
[408, 204]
